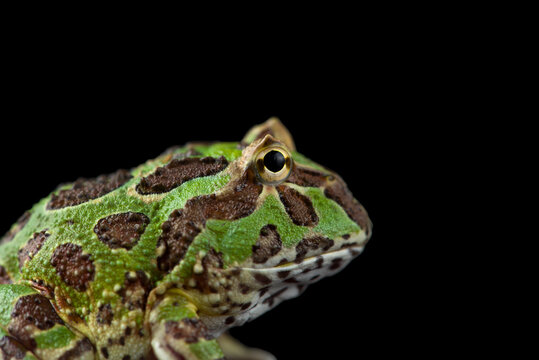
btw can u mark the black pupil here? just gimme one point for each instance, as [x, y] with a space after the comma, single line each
[274, 161]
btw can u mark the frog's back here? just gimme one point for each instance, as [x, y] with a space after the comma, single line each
[91, 245]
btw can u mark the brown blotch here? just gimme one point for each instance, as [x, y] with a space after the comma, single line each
[138, 287]
[298, 206]
[176, 172]
[105, 315]
[105, 352]
[80, 348]
[268, 244]
[32, 311]
[263, 291]
[189, 330]
[335, 264]
[4, 276]
[184, 225]
[11, 348]
[244, 289]
[32, 247]
[230, 320]
[311, 244]
[308, 177]
[349, 245]
[73, 266]
[121, 230]
[339, 192]
[212, 263]
[21, 222]
[271, 299]
[235, 271]
[84, 190]
[283, 274]
[263, 279]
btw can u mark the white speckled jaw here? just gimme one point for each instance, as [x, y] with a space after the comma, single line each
[326, 264]
[276, 284]
[295, 255]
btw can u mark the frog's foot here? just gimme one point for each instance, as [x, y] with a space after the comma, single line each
[234, 350]
[30, 328]
[178, 333]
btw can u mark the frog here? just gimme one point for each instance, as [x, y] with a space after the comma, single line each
[160, 261]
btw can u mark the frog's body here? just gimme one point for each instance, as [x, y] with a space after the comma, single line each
[159, 261]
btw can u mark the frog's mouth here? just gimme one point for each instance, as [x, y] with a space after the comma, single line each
[335, 256]
[310, 269]
[304, 254]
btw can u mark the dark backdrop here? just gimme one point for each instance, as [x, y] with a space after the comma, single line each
[367, 126]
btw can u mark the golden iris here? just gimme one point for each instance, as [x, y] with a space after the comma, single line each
[273, 165]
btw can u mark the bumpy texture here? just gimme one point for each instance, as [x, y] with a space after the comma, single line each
[158, 261]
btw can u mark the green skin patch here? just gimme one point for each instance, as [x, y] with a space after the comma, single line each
[175, 308]
[229, 150]
[207, 350]
[100, 310]
[55, 338]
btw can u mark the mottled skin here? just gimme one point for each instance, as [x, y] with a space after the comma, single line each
[159, 261]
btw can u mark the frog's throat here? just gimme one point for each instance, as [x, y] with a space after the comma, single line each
[282, 283]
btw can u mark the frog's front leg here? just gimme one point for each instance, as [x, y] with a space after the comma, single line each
[177, 331]
[235, 350]
[30, 328]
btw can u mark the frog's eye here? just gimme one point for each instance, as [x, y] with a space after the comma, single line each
[273, 165]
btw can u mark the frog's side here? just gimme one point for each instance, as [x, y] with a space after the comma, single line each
[159, 261]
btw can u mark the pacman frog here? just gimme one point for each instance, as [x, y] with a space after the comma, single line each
[159, 261]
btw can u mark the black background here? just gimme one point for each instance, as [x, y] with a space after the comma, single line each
[378, 124]
[421, 110]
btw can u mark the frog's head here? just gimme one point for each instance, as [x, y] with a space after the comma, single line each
[280, 223]
[312, 219]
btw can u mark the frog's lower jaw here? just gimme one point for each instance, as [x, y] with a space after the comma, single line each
[277, 284]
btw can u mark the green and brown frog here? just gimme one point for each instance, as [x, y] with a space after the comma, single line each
[159, 261]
